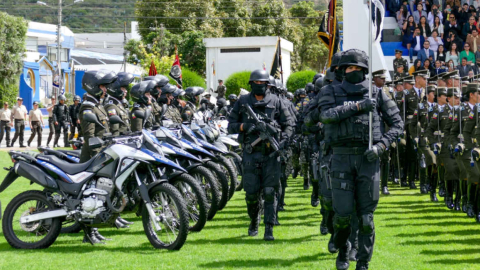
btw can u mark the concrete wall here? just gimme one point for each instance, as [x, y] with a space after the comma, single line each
[228, 63]
[355, 31]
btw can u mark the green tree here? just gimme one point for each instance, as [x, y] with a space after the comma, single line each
[268, 18]
[12, 48]
[238, 9]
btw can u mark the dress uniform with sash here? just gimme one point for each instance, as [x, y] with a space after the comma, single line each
[5, 118]
[36, 124]
[19, 115]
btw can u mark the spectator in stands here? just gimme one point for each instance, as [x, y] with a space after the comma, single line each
[433, 14]
[402, 16]
[464, 68]
[428, 66]
[426, 4]
[424, 27]
[415, 67]
[416, 45]
[437, 25]
[466, 53]
[473, 40]
[451, 8]
[426, 53]
[453, 38]
[463, 15]
[468, 27]
[438, 68]
[394, 6]
[451, 66]
[435, 40]
[477, 56]
[408, 31]
[441, 55]
[417, 14]
[452, 25]
[452, 55]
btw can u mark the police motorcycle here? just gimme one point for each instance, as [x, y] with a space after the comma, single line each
[212, 131]
[94, 193]
[190, 189]
[179, 152]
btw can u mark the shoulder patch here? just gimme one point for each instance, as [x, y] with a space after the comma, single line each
[136, 105]
[434, 116]
[471, 115]
[88, 111]
[450, 116]
[112, 112]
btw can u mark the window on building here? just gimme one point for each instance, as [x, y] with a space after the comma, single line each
[239, 50]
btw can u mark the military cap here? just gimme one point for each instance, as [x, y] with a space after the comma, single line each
[388, 83]
[432, 80]
[423, 73]
[398, 81]
[465, 80]
[398, 51]
[431, 88]
[35, 103]
[220, 81]
[453, 91]
[471, 88]
[19, 98]
[409, 80]
[379, 74]
[450, 75]
[441, 91]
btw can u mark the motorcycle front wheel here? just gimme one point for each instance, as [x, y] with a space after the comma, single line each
[169, 206]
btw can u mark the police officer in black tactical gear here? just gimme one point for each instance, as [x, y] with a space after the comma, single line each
[310, 89]
[61, 119]
[94, 83]
[73, 112]
[113, 103]
[261, 164]
[344, 109]
[225, 111]
[141, 114]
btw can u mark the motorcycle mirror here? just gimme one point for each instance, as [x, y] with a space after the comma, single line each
[139, 114]
[95, 142]
[92, 118]
[115, 119]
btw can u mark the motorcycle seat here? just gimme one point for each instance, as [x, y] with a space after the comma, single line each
[75, 153]
[67, 167]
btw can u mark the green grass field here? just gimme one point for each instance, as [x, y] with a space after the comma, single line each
[412, 233]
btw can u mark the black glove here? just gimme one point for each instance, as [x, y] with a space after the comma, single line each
[261, 127]
[248, 128]
[376, 151]
[367, 105]
[283, 144]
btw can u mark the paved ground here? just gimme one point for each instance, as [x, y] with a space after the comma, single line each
[33, 145]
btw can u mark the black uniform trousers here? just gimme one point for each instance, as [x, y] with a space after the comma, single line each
[51, 126]
[355, 189]
[19, 130]
[58, 128]
[74, 125]
[5, 129]
[261, 172]
[36, 130]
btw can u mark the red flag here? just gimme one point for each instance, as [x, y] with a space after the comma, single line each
[176, 71]
[153, 69]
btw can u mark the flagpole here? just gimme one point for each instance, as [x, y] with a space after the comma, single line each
[370, 66]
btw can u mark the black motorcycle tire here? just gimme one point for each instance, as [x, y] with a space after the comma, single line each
[229, 168]
[7, 221]
[222, 181]
[210, 180]
[183, 218]
[237, 161]
[199, 193]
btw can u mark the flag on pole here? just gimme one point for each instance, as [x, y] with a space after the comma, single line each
[328, 32]
[277, 69]
[213, 68]
[153, 69]
[176, 71]
[264, 66]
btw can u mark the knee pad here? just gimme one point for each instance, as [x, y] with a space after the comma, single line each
[269, 194]
[341, 222]
[327, 203]
[366, 224]
[251, 198]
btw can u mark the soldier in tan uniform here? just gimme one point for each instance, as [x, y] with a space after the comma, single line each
[19, 116]
[36, 124]
[166, 97]
[5, 116]
[51, 123]
[113, 103]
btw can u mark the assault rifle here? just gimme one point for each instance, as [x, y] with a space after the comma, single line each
[267, 132]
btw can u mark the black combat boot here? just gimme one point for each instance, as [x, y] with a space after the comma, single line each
[295, 173]
[343, 261]
[353, 254]
[331, 245]
[323, 227]
[306, 183]
[99, 236]
[362, 265]
[403, 182]
[253, 213]
[412, 185]
[90, 236]
[385, 190]
[268, 236]
[449, 202]
[441, 189]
